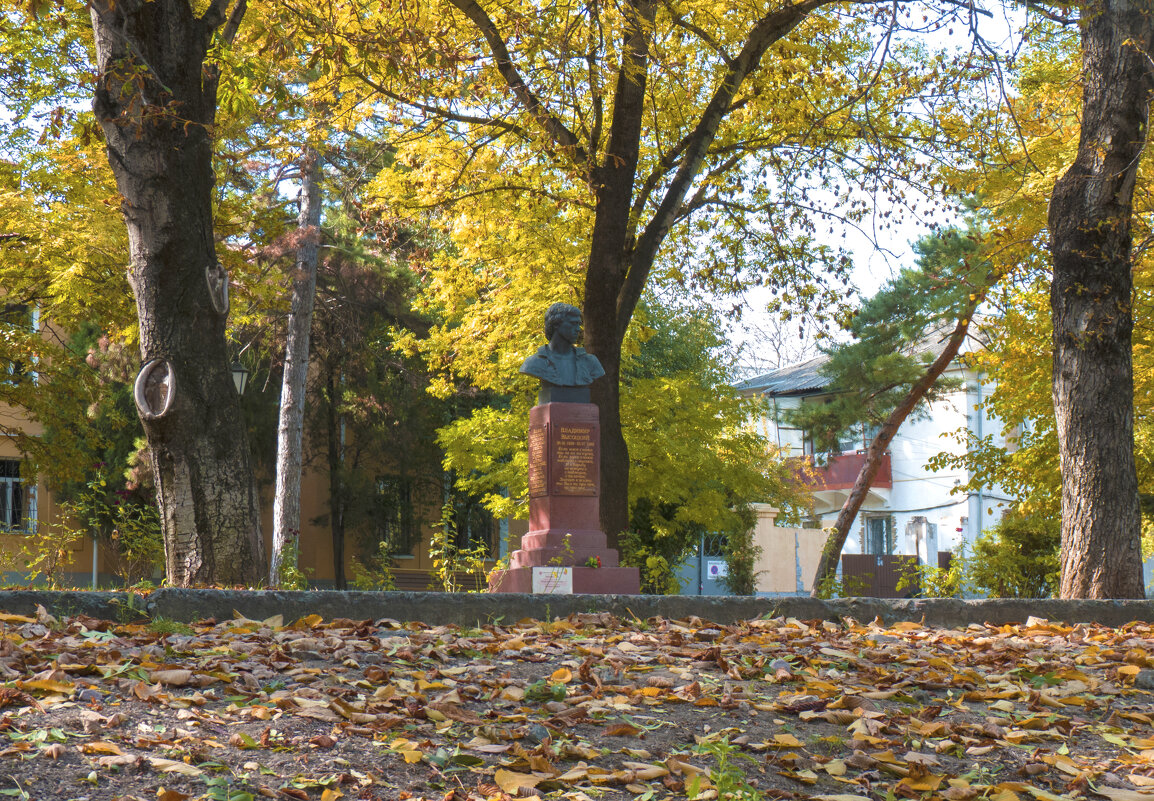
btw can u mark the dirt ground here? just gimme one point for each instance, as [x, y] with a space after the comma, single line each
[588, 707]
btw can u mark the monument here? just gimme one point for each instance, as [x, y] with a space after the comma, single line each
[565, 550]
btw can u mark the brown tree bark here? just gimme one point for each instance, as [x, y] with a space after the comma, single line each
[632, 214]
[608, 264]
[831, 552]
[335, 429]
[622, 251]
[1090, 301]
[155, 100]
[286, 514]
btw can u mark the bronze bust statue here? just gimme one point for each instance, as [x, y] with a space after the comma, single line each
[561, 363]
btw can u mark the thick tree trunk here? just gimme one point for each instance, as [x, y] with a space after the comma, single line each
[621, 256]
[609, 258]
[1090, 300]
[155, 101]
[336, 454]
[831, 552]
[290, 428]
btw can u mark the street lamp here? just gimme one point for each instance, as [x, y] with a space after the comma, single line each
[239, 376]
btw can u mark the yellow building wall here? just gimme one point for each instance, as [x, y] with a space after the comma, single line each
[785, 550]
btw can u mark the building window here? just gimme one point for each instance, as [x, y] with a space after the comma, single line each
[472, 523]
[15, 511]
[15, 317]
[396, 528]
[879, 535]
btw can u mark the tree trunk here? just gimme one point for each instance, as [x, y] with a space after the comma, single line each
[155, 100]
[336, 452]
[831, 553]
[290, 428]
[1090, 301]
[608, 265]
[620, 256]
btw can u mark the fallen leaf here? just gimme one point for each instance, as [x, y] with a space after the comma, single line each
[622, 730]
[1120, 794]
[512, 782]
[101, 747]
[174, 766]
[171, 678]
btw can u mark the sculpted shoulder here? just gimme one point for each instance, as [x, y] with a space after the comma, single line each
[560, 362]
[589, 367]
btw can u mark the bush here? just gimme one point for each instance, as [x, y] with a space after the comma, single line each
[658, 564]
[741, 558]
[1018, 558]
[931, 581]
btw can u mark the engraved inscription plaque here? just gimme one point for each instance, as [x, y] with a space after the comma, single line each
[538, 462]
[574, 459]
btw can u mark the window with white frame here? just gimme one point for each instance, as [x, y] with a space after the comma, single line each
[17, 512]
[20, 320]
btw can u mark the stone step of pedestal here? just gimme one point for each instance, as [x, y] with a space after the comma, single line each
[560, 538]
[563, 557]
[586, 580]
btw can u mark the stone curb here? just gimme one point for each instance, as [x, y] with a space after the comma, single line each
[432, 608]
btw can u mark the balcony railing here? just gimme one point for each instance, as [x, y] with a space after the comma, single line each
[839, 471]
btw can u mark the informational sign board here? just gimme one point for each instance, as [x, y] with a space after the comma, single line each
[553, 580]
[716, 568]
[563, 459]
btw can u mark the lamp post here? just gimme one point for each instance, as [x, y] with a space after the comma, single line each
[239, 376]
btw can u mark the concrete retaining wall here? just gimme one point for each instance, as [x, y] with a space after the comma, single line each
[478, 609]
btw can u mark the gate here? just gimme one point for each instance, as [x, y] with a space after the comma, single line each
[877, 575]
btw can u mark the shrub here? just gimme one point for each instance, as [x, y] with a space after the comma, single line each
[1018, 558]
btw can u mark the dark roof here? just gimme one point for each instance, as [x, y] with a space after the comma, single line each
[804, 378]
[793, 379]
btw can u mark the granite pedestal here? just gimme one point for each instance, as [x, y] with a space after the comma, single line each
[564, 507]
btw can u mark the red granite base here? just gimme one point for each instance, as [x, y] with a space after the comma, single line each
[586, 580]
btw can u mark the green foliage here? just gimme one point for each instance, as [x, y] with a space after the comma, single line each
[292, 576]
[835, 586]
[45, 553]
[726, 776]
[1018, 558]
[374, 571]
[656, 557]
[125, 524]
[741, 555]
[894, 335]
[544, 690]
[449, 558]
[932, 581]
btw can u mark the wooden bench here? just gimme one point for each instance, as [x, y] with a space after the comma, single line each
[413, 580]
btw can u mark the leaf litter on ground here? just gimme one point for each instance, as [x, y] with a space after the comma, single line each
[587, 708]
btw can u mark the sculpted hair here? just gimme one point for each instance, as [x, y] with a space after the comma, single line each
[555, 314]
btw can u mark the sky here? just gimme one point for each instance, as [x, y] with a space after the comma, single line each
[874, 261]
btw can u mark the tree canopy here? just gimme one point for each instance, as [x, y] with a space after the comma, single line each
[605, 155]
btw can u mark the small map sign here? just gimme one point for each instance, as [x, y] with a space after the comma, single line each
[553, 580]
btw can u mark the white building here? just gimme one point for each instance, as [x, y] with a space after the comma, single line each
[910, 509]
